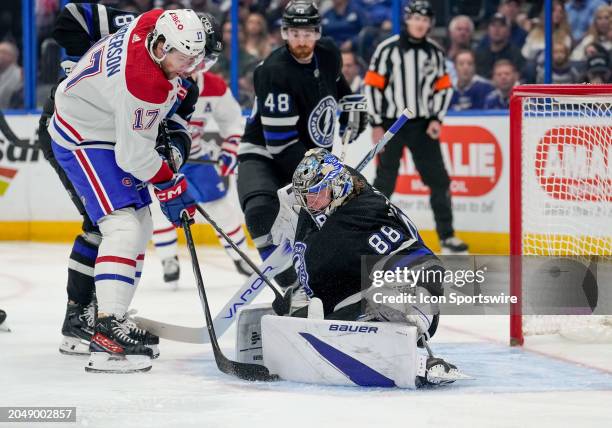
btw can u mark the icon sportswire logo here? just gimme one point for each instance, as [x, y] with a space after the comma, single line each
[6, 176]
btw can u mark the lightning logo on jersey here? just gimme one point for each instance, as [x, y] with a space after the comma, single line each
[321, 122]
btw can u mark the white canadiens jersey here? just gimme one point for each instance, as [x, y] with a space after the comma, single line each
[215, 102]
[115, 98]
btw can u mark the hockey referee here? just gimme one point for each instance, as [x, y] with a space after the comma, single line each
[408, 70]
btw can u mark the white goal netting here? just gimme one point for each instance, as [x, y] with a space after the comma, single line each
[566, 203]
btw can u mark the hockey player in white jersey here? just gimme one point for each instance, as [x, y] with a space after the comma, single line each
[104, 129]
[206, 182]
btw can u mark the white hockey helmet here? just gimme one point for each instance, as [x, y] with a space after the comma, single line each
[182, 30]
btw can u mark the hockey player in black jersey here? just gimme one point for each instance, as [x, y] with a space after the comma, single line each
[297, 89]
[342, 219]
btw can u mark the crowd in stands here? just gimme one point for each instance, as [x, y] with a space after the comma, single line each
[490, 45]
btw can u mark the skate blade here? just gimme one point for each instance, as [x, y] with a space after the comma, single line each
[4, 329]
[442, 377]
[103, 362]
[173, 285]
[447, 252]
[74, 346]
[155, 349]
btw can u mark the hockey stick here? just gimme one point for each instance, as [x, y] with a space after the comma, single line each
[247, 293]
[280, 304]
[274, 264]
[406, 114]
[10, 135]
[244, 371]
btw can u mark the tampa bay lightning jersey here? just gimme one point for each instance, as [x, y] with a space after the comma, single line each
[295, 106]
[329, 259]
[80, 25]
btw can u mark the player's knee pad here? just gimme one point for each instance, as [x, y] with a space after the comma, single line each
[123, 228]
[146, 226]
[92, 237]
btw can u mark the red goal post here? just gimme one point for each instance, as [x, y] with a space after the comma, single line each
[544, 121]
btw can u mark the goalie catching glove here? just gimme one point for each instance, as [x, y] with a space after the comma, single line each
[174, 199]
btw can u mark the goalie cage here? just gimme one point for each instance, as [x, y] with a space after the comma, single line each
[561, 198]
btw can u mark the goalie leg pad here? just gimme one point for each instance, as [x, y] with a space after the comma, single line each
[340, 352]
[248, 333]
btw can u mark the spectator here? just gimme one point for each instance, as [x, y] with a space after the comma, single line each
[10, 73]
[343, 22]
[523, 21]
[579, 15]
[561, 31]
[499, 47]
[246, 65]
[600, 31]
[471, 89]
[172, 4]
[598, 69]
[378, 12]
[505, 77]
[562, 70]
[144, 5]
[593, 49]
[511, 10]
[256, 32]
[460, 34]
[352, 69]
[128, 6]
[212, 7]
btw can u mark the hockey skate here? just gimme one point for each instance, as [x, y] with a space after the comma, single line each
[112, 350]
[3, 326]
[453, 245]
[439, 372]
[172, 271]
[78, 328]
[149, 339]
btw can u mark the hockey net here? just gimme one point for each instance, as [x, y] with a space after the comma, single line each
[561, 202]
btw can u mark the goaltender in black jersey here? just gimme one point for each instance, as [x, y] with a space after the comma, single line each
[346, 230]
[297, 91]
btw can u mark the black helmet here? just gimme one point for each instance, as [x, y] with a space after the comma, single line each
[301, 13]
[214, 36]
[421, 7]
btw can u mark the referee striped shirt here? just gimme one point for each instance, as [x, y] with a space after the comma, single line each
[404, 73]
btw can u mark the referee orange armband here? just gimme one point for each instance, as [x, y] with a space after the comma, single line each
[372, 78]
[442, 83]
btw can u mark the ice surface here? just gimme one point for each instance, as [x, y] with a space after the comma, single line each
[551, 383]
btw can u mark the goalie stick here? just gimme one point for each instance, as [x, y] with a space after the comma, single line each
[406, 114]
[274, 264]
[248, 291]
[246, 371]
